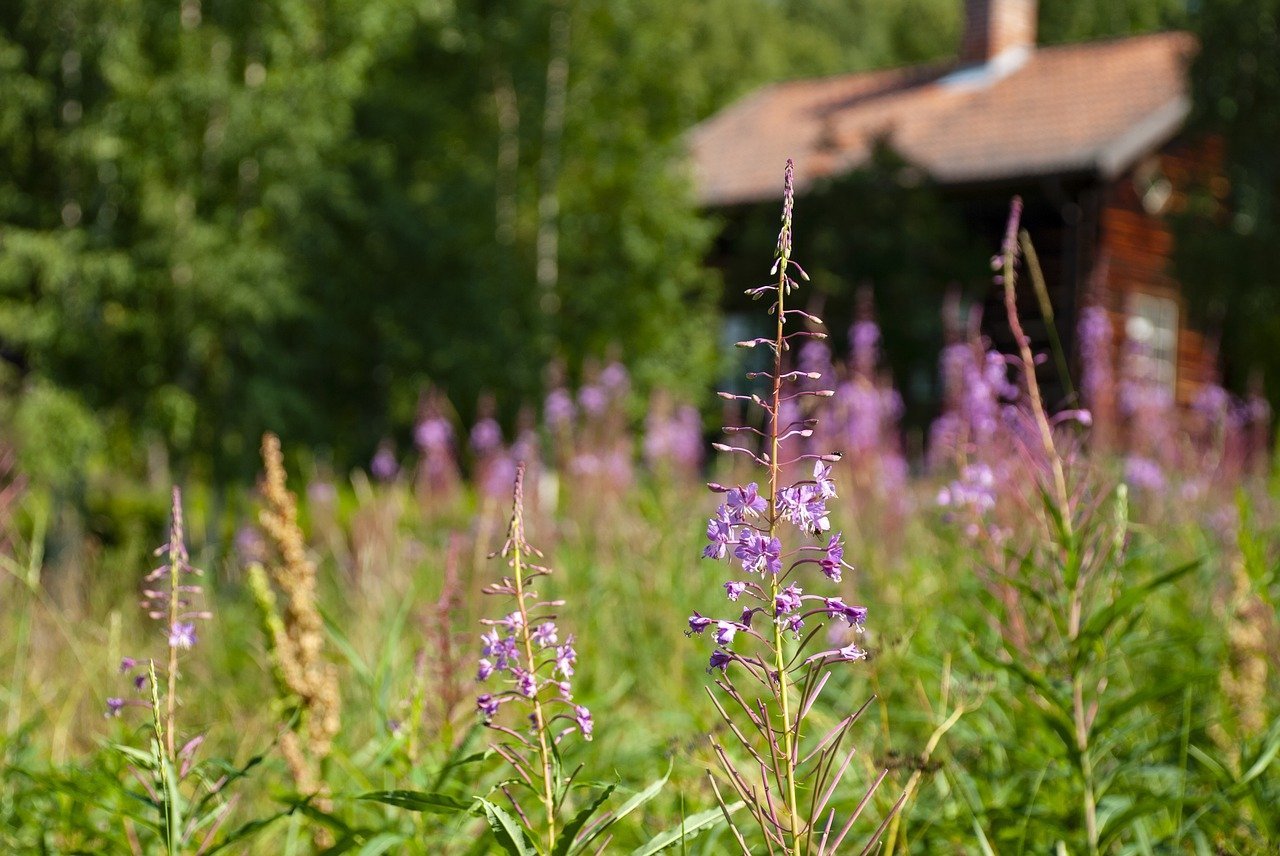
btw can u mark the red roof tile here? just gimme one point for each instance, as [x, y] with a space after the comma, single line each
[1096, 106]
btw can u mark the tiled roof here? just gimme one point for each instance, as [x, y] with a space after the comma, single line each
[1096, 106]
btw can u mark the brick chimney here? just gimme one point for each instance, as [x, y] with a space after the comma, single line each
[992, 27]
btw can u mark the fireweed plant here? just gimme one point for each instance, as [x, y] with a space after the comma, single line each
[785, 782]
[527, 655]
[188, 798]
[526, 666]
[1069, 622]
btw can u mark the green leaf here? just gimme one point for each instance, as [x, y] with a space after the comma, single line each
[145, 759]
[1100, 622]
[573, 827]
[381, 843]
[247, 830]
[510, 835]
[632, 804]
[689, 828]
[421, 801]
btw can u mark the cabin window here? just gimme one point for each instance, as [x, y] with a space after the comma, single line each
[1152, 330]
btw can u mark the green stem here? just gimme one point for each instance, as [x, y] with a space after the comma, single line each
[779, 653]
[544, 751]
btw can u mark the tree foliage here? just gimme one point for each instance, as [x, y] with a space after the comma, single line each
[224, 216]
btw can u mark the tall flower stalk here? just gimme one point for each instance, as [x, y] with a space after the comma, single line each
[524, 650]
[169, 596]
[786, 788]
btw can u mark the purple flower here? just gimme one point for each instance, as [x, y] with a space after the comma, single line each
[725, 631]
[114, 706]
[127, 664]
[582, 716]
[822, 480]
[1096, 359]
[182, 634]
[734, 589]
[833, 558]
[864, 341]
[851, 652]
[488, 706]
[490, 642]
[720, 533]
[975, 489]
[1144, 474]
[565, 658]
[787, 601]
[803, 506]
[593, 399]
[614, 377]
[499, 475]
[759, 553]
[698, 623]
[384, 466]
[433, 433]
[746, 502]
[485, 670]
[526, 683]
[545, 634]
[720, 659]
[558, 408]
[486, 436]
[837, 608]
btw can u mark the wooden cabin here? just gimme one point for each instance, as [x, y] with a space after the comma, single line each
[1089, 134]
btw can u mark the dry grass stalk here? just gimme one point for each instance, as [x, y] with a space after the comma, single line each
[297, 638]
[1244, 681]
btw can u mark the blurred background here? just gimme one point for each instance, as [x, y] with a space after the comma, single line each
[219, 217]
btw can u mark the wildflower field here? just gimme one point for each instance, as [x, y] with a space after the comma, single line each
[1055, 633]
